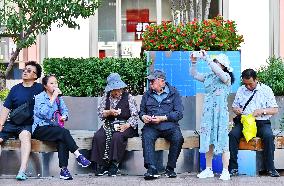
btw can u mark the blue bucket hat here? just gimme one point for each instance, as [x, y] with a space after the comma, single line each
[114, 82]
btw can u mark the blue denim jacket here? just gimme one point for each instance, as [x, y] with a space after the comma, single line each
[43, 110]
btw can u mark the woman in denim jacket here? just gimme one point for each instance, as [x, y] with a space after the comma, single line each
[46, 126]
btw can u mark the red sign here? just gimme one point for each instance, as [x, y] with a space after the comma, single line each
[134, 16]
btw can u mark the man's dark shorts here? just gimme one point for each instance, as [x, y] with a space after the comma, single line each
[12, 131]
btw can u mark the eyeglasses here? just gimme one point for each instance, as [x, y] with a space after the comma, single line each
[28, 70]
[152, 81]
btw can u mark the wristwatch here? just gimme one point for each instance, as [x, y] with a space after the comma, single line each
[264, 112]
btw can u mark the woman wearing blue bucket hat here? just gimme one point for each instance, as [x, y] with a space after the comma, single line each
[118, 110]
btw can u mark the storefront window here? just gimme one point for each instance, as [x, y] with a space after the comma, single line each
[166, 11]
[107, 38]
[135, 16]
[182, 9]
[281, 28]
[7, 48]
[214, 9]
[106, 21]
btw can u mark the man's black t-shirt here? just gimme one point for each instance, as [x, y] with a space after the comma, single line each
[19, 95]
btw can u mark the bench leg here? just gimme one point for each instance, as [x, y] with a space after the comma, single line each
[133, 162]
[250, 162]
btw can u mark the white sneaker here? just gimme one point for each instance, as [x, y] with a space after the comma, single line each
[207, 173]
[225, 175]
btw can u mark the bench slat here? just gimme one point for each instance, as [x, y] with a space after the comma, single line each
[84, 141]
[254, 144]
[37, 146]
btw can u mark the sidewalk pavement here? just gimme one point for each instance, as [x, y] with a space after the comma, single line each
[182, 180]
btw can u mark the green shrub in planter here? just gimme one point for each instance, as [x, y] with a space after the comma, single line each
[3, 94]
[273, 75]
[87, 77]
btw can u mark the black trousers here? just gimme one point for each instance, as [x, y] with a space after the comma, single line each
[117, 146]
[62, 137]
[149, 137]
[264, 131]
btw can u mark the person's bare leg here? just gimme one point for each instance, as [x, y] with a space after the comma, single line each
[25, 138]
[225, 173]
[208, 173]
[77, 153]
[209, 156]
[225, 159]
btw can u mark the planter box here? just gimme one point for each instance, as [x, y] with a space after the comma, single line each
[82, 113]
[276, 119]
[176, 66]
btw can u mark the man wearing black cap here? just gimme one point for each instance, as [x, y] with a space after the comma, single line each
[161, 109]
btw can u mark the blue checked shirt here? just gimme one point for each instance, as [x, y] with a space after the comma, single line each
[43, 110]
[263, 98]
[163, 95]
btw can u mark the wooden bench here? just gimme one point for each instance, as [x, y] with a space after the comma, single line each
[83, 138]
[84, 141]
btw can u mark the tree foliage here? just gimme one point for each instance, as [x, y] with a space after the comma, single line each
[273, 75]
[23, 20]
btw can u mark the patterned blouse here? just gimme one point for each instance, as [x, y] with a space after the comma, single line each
[133, 120]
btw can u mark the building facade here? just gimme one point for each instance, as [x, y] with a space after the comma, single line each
[115, 30]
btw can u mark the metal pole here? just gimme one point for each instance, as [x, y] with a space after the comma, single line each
[118, 27]
[159, 11]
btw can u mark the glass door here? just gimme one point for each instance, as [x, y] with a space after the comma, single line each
[107, 33]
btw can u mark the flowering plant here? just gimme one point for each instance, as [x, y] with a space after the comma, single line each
[214, 34]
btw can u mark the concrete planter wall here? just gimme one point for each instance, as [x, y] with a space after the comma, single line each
[275, 120]
[83, 112]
